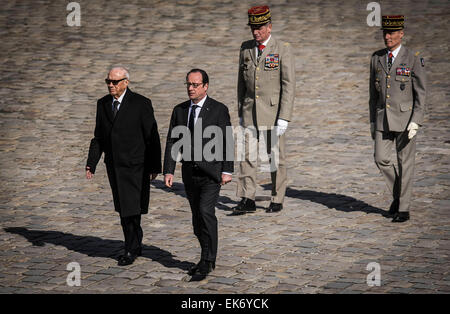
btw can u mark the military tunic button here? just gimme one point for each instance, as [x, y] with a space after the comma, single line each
[257, 87]
[387, 96]
[388, 106]
[257, 68]
[389, 86]
[257, 96]
[388, 76]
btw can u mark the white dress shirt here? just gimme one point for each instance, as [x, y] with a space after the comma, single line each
[119, 100]
[264, 43]
[197, 110]
[394, 54]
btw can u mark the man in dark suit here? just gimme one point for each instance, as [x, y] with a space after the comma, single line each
[205, 167]
[126, 131]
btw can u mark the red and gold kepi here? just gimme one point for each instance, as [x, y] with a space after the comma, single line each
[259, 15]
[392, 22]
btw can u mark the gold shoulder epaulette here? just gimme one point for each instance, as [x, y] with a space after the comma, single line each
[417, 53]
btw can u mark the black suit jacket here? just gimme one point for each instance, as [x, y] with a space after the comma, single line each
[132, 150]
[212, 114]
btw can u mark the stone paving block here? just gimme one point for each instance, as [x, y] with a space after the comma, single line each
[223, 280]
[338, 285]
[401, 290]
[5, 290]
[166, 282]
[111, 271]
[35, 272]
[129, 274]
[143, 282]
[35, 279]
[98, 277]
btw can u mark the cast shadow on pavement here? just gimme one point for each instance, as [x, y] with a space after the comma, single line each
[178, 189]
[95, 246]
[334, 201]
[331, 200]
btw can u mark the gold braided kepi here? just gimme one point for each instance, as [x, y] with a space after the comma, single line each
[392, 22]
[259, 15]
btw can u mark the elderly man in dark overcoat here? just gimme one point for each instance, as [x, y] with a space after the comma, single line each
[127, 133]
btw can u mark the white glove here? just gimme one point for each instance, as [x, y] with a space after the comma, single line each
[412, 128]
[281, 126]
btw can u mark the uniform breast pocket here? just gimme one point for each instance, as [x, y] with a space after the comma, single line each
[402, 78]
[275, 99]
[270, 67]
[273, 73]
[405, 107]
[404, 82]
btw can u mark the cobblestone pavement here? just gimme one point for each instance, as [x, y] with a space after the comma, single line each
[334, 222]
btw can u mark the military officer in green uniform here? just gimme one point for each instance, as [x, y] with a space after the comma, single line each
[397, 104]
[266, 91]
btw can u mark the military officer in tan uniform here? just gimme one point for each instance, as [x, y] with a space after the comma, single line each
[266, 90]
[397, 104]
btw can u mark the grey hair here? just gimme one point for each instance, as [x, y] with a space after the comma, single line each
[123, 69]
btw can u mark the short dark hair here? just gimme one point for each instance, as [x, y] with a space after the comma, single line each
[205, 78]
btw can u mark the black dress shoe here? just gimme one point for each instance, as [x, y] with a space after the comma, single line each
[127, 259]
[193, 269]
[401, 217]
[205, 267]
[274, 207]
[394, 207]
[246, 205]
[138, 253]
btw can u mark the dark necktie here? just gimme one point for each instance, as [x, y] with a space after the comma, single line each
[192, 119]
[260, 50]
[115, 107]
[390, 60]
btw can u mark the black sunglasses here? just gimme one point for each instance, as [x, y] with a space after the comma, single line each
[114, 82]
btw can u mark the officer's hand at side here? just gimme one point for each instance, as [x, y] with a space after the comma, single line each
[412, 128]
[281, 126]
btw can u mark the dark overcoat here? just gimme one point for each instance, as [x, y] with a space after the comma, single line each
[131, 144]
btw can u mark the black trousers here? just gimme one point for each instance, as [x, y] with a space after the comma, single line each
[202, 192]
[132, 232]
